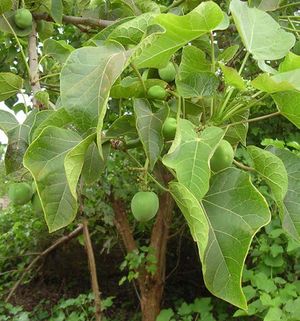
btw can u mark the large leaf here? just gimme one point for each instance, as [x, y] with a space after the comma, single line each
[7, 121]
[290, 62]
[202, 84]
[291, 217]
[58, 118]
[267, 83]
[123, 126]
[55, 160]
[260, 33]
[131, 32]
[149, 125]
[179, 30]
[190, 154]
[93, 163]
[223, 227]
[288, 103]
[272, 170]
[39, 117]
[86, 79]
[57, 10]
[10, 84]
[58, 49]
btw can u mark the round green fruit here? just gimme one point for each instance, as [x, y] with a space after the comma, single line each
[157, 92]
[23, 18]
[222, 157]
[20, 193]
[36, 204]
[167, 73]
[169, 128]
[144, 206]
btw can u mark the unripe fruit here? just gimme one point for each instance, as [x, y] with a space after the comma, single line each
[20, 193]
[169, 128]
[144, 206]
[167, 73]
[23, 18]
[223, 156]
[157, 92]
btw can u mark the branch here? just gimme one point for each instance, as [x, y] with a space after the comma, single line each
[242, 166]
[34, 65]
[56, 244]
[93, 270]
[76, 21]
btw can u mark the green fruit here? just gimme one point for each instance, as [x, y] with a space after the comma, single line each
[144, 206]
[23, 18]
[36, 204]
[169, 128]
[20, 193]
[157, 92]
[223, 156]
[167, 73]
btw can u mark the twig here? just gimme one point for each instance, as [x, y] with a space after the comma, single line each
[56, 244]
[34, 65]
[242, 166]
[251, 120]
[93, 270]
[76, 21]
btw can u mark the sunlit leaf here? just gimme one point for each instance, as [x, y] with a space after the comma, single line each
[10, 84]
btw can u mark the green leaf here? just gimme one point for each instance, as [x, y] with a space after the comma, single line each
[194, 215]
[267, 83]
[190, 154]
[86, 80]
[149, 126]
[165, 315]
[260, 33]
[58, 49]
[227, 54]
[269, 5]
[290, 62]
[272, 170]
[131, 32]
[55, 160]
[202, 84]
[274, 314]
[290, 220]
[5, 5]
[179, 30]
[39, 117]
[124, 125]
[10, 84]
[235, 210]
[238, 133]
[57, 10]
[288, 103]
[58, 118]
[193, 60]
[93, 163]
[131, 87]
[232, 77]
[7, 121]
[223, 227]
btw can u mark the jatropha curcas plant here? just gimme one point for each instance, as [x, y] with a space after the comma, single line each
[184, 88]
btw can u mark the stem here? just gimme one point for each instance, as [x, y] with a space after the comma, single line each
[289, 5]
[232, 90]
[242, 166]
[49, 76]
[251, 120]
[34, 65]
[213, 68]
[19, 44]
[93, 270]
[153, 179]
[140, 77]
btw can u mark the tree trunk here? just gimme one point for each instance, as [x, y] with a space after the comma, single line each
[150, 302]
